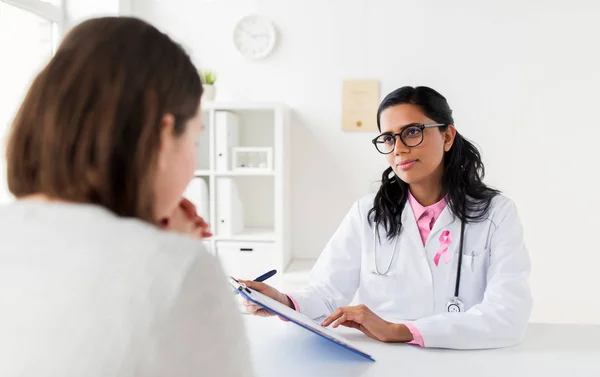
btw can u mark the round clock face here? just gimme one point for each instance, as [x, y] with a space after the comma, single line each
[254, 37]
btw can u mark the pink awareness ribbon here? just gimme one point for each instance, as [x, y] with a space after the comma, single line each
[445, 240]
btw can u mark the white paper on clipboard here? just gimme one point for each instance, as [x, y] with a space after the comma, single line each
[296, 317]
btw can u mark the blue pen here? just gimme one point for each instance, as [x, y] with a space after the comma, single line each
[265, 276]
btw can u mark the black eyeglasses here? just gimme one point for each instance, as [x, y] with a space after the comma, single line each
[411, 136]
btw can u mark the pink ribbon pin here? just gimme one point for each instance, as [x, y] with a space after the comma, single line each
[445, 240]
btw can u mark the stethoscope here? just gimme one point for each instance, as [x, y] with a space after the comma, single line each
[454, 304]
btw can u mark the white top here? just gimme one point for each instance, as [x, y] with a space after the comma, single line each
[86, 293]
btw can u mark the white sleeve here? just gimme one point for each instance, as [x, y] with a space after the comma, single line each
[501, 319]
[335, 277]
[203, 333]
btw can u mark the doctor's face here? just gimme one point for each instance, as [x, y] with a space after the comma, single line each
[424, 161]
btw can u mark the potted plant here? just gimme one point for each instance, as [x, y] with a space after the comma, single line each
[208, 82]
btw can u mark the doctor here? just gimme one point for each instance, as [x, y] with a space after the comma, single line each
[436, 257]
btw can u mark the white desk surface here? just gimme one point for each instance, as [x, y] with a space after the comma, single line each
[284, 349]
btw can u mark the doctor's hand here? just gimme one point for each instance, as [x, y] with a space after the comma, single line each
[184, 219]
[266, 290]
[362, 318]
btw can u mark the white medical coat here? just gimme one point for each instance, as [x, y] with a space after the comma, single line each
[493, 287]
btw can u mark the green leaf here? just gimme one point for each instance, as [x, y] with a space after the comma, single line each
[208, 77]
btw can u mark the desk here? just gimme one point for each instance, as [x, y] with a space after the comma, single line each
[283, 349]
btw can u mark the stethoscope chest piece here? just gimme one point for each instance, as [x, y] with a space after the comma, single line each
[455, 305]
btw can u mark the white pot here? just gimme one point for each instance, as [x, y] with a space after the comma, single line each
[209, 93]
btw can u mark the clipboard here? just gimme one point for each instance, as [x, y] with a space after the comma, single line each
[293, 316]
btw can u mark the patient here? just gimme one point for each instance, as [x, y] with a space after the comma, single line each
[102, 272]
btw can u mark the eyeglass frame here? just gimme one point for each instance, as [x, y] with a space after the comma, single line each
[397, 136]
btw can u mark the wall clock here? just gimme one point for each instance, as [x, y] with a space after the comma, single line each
[254, 37]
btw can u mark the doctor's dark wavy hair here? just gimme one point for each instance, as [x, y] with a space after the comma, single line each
[463, 170]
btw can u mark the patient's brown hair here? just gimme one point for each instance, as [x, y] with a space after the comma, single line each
[88, 130]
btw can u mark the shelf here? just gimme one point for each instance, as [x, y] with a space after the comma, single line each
[250, 234]
[241, 182]
[250, 173]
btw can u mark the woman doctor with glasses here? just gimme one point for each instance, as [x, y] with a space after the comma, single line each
[436, 257]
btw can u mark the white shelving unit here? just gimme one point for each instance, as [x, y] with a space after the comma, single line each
[248, 205]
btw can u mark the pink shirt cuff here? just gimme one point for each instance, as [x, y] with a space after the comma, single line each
[417, 337]
[296, 307]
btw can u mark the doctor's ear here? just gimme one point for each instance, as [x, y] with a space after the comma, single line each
[449, 136]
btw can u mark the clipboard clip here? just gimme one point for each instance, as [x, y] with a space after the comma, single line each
[238, 286]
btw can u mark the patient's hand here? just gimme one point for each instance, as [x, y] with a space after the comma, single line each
[184, 219]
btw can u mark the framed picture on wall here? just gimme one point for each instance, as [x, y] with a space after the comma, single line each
[360, 100]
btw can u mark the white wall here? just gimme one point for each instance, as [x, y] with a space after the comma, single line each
[31, 49]
[79, 10]
[522, 78]
[26, 43]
